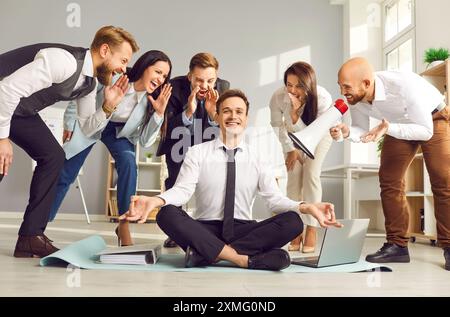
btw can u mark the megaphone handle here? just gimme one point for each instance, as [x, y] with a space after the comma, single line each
[341, 137]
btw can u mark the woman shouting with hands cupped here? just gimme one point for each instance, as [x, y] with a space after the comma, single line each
[137, 118]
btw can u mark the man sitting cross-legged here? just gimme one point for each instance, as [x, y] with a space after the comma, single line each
[225, 175]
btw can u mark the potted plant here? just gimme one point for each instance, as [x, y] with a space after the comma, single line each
[380, 146]
[435, 56]
[148, 157]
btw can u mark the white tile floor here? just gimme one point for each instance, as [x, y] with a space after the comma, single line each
[424, 276]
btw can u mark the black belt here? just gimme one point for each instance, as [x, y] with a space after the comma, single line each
[439, 108]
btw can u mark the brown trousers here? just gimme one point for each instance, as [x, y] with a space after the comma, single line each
[396, 156]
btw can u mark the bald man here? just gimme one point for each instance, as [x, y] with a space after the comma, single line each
[413, 114]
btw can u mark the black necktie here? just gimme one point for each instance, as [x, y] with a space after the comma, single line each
[228, 210]
[85, 85]
[199, 125]
[199, 112]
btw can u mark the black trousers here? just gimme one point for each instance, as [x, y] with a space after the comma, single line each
[250, 237]
[36, 139]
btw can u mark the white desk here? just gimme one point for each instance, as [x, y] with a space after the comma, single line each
[349, 173]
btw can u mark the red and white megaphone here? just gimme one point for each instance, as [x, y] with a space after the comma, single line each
[307, 139]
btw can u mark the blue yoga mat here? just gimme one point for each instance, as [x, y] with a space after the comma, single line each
[82, 254]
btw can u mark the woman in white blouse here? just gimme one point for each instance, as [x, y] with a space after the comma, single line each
[293, 108]
[137, 119]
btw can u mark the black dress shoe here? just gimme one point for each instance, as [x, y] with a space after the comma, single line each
[169, 243]
[447, 258]
[193, 259]
[34, 247]
[273, 260]
[389, 252]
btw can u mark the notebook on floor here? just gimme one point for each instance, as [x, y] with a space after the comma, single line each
[142, 254]
[339, 245]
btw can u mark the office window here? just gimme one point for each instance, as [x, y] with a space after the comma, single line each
[399, 35]
[401, 57]
[399, 17]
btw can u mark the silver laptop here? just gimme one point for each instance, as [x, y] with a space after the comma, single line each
[339, 245]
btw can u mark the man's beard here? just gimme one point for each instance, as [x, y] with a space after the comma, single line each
[104, 74]
[357, 98]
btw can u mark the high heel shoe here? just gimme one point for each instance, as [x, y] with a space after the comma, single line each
[306, 249]
[310, 234]
[294, 247]
[295, 244]
[120, 238]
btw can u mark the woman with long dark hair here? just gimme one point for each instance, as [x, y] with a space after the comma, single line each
[136, 119]
[294, 107]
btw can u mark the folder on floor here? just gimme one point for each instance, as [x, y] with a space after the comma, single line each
[136, 254]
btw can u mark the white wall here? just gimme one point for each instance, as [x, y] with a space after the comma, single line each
[363, 31]
[363, 38]
[361, 28]
[253, 40]
[432, 27]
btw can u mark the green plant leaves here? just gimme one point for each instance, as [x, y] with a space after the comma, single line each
[436, 54]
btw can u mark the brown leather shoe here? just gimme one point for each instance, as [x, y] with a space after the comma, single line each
[34, 247]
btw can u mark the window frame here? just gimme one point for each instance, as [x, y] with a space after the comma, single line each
[403, 32]
[409, 33]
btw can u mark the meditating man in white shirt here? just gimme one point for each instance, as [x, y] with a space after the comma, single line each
[226, 174]
[413, 114]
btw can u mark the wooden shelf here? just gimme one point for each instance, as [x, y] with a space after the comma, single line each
[151, 217]
[439, 76]
[142, 163]
[415, 236]
[141, 190]
[150, 164]
[157, 191]
[437, 71]
[415, 194]
[150, 180]
[421, 235]
[376, 233]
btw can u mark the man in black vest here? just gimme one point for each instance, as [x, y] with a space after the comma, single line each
[35, 77]
[190, 114]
